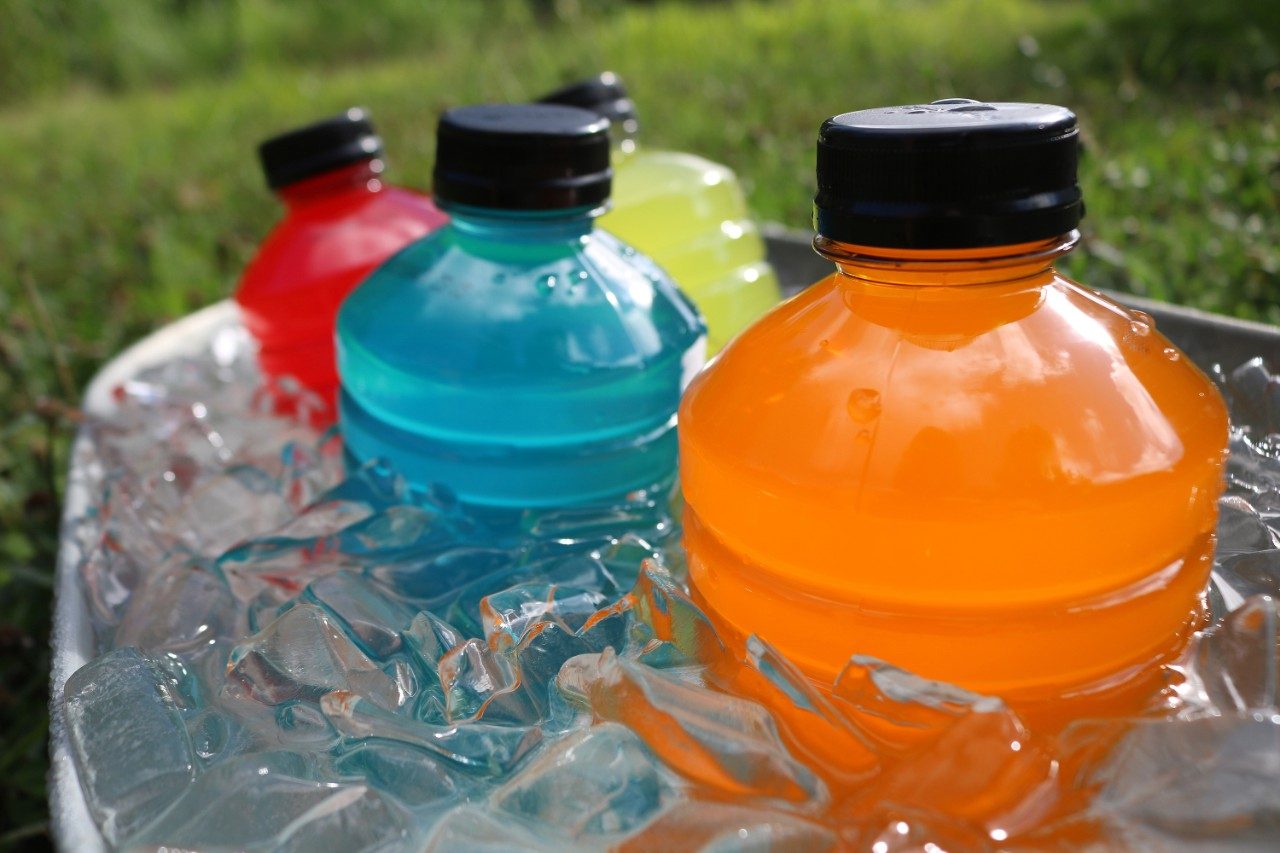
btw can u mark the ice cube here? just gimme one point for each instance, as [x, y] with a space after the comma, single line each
[595, 785]
[280, 801]
[479, 747]
[950, 751]
[228, 508]
[811, 724]
[411, 776]
[1211, 780]
[481, 685]
[183, 607]
[304, 654]
[507, 614]
[474, 829]
[371, 614]
[129, 740]
[713, 739]
[1255, 398]
[1235, 665]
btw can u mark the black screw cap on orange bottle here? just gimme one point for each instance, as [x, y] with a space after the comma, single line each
[951, 174]
[320, 147]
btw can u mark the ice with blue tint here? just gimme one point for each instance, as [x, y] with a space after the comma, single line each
[299, 654]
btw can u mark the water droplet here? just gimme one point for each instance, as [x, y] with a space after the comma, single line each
[864, 405]
[1172, 354]
[1140, 322]
[863, 438]
[547, 284]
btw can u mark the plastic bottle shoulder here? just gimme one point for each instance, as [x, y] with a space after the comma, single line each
[515, 315]
[331, 240]
[1026, 409]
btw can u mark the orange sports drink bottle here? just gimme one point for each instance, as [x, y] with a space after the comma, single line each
[945, 454]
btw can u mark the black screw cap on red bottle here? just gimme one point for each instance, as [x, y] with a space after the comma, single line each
[522, 157]
[605, 95]
[320, 147]
[952, 174]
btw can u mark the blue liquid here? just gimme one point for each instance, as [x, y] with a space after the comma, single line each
[519, 359]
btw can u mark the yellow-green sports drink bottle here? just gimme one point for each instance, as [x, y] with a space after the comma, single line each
[683, 211]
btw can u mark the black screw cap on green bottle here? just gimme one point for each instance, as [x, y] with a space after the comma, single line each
[948, 175]
[605, 95]
[320, 147]
[522, 157]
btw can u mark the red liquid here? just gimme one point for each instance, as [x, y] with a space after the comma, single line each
[337, 227]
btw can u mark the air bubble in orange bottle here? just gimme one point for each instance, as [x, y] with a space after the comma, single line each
[946, 454]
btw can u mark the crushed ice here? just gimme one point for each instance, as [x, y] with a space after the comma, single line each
[292, 657]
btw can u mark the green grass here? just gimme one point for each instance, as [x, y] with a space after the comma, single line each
[129, 193]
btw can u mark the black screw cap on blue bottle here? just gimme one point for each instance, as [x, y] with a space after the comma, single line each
[605, 95]
[522, 157]
[320, 147]
[948, 175]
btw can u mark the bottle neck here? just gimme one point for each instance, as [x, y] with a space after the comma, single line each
[947, 267]
[497, 226]
[362, 178]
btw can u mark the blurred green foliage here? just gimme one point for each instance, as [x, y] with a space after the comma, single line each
[129, 192]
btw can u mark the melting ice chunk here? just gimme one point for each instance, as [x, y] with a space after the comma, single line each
[595, 785]
[711, 738]
[1213, 779]
[278, 801]
[305, 654]
[129, 740]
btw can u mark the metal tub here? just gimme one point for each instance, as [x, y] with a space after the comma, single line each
[1207, 339]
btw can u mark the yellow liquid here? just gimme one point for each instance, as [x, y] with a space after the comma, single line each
[690, 216]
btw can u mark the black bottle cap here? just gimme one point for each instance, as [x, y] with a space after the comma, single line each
[952, 174]
[604, 95]
[320, 147]
[522, 157]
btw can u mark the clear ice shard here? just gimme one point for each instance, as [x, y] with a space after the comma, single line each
[949, 751]
[181, 607]
[1213, 779]
[372, 616]
[482, 748]
[227, 508]
[130, 743]
[406, 773]
[305, 654]
[479, 684]
[713, 739]
[596, 785]
[708, 825]
[277, 801]
[474, 829]
[507, 614]
[1235, 664]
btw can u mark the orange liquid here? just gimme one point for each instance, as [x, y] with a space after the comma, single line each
[959, 462]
